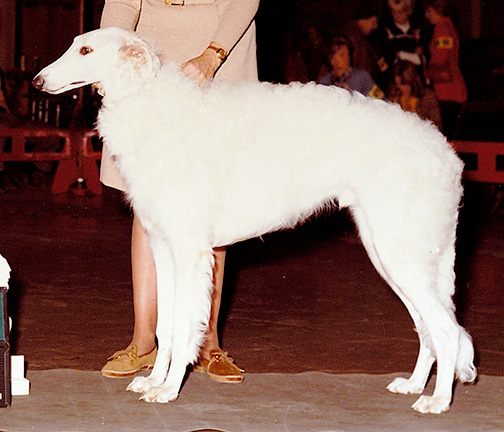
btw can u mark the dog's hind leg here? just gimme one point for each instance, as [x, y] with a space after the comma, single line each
[410, 272]
[193, 274]
[163, 259]
[445, 334]
[415, 384]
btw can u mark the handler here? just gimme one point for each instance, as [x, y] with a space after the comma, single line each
[206, 37]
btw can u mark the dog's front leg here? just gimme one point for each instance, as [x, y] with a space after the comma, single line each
[193, 288]
[163, 259]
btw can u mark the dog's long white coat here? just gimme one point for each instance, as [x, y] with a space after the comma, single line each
[211, 166]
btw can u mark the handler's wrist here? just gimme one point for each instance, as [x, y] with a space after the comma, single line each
[220, 53]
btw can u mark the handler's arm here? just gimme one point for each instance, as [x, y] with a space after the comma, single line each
[234, 22]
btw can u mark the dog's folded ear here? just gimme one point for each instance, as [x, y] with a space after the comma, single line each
[143, 57]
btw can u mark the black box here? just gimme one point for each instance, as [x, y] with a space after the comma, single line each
[5, 378]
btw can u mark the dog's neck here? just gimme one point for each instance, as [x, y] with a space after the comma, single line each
[114, 91]
[168, 97]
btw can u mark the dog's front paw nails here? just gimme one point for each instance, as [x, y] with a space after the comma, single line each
[431, 405]
[139, 385]
[160, 395]
[404, 386]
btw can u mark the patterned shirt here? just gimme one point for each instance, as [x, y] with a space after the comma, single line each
[354, 79]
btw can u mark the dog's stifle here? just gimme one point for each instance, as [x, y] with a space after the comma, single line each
[211, 166]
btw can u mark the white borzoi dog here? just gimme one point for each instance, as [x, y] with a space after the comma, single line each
[212, 166]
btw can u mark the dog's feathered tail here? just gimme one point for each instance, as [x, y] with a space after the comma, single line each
[465, 370]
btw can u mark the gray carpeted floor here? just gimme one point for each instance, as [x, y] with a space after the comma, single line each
[70, 400]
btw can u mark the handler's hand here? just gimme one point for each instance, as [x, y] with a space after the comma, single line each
[202, 69]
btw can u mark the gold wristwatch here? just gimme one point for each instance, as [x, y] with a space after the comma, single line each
[221, 53]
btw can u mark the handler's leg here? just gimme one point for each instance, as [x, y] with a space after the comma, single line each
[141, 352]
[144, 290]
[213, 360]
[212, 340]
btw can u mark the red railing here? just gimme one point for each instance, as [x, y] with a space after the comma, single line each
[80, 173]
[15, 143]
[77, 157]
[484, 160]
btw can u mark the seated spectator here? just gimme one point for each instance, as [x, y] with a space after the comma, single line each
[363, 23]
[408, 90]
[342, 74]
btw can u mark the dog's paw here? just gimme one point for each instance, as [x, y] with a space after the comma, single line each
[160, 395]
[431, 405]
[140, 385]
[404, 386]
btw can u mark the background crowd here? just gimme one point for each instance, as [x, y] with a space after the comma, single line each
[406, 52]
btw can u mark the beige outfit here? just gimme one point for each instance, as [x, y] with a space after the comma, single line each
[183, 30]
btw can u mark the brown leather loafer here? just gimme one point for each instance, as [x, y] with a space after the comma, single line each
[220, 368]
[127, 362]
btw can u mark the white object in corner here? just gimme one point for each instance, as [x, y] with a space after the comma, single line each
[4, 272]
[20, 386]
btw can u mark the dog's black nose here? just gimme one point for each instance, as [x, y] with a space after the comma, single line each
[38, 82]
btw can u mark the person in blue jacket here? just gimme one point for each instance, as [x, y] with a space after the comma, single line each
[341, 73]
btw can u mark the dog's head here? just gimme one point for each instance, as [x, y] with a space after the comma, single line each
[104, 56]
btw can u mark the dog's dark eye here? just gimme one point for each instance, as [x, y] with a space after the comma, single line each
[85, 50]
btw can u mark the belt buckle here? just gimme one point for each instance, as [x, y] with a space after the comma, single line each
[175, 2]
